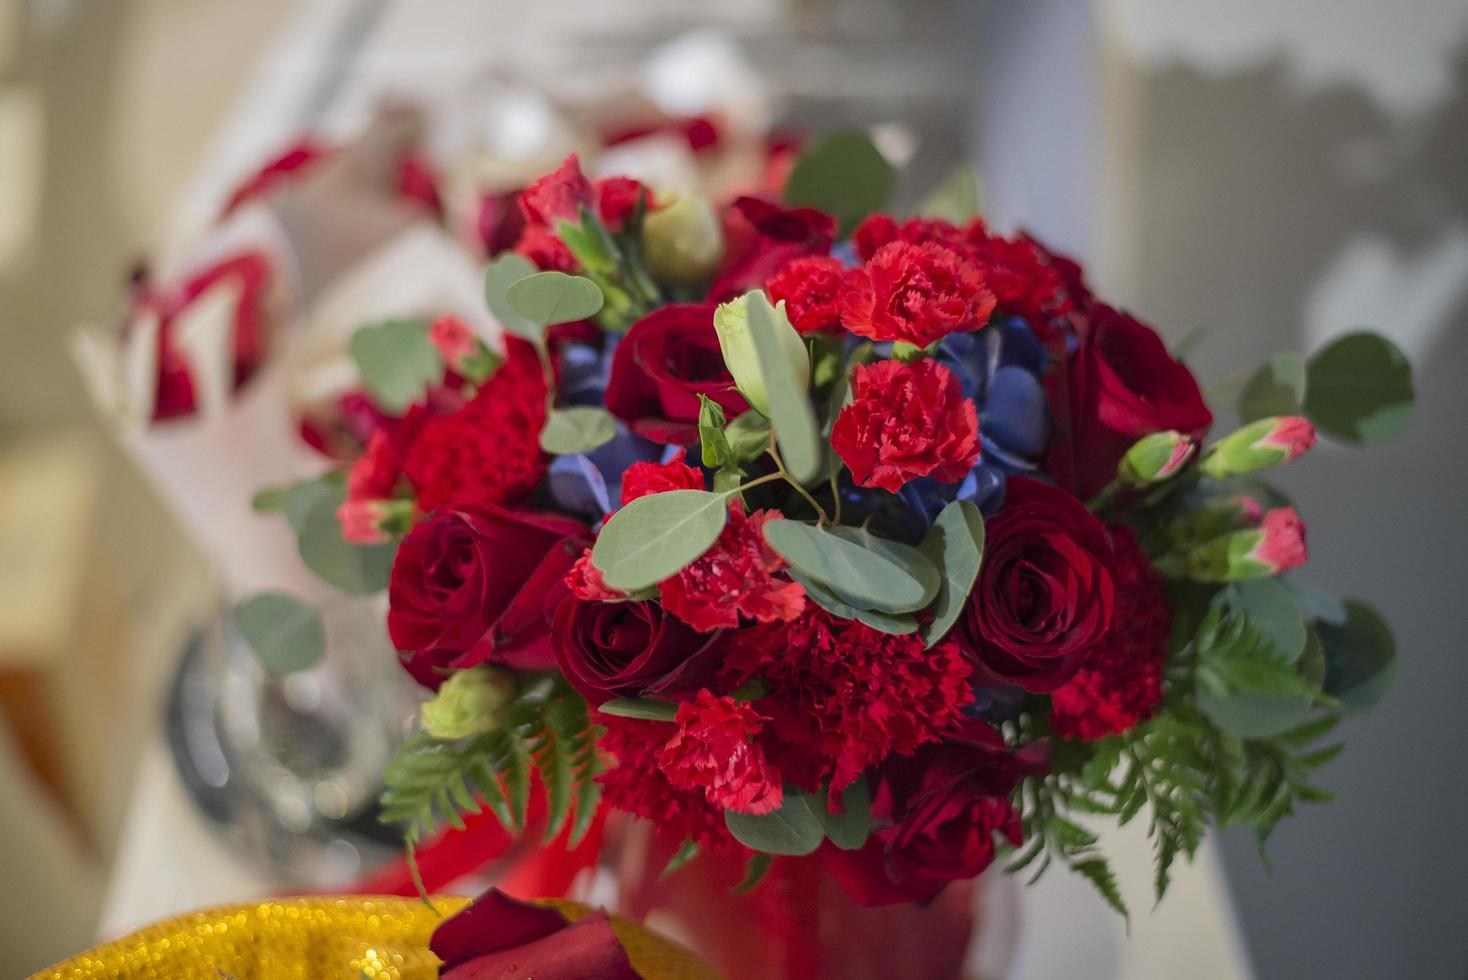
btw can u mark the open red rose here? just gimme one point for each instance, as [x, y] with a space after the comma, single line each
[1124, 385]
[669, 358]
[482, 585]
[941, 808]
[906, 421]
[498, 937]
[761, 238]
[1045, 592]
[916, 294]
[631, 649]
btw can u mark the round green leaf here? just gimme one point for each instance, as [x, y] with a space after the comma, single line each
[397, 362]
[1277, 388]
[912, 560]
[355, 569]
[793, 829]
[1360, 657]
[1253, 715]
[1272, 609]
[844, 175]
[655, 536]
[955, 198]
[850, 828]
[955, 544]
[285, 633]
[499, 276]
[1359, 389]
[577, 430]
[866, 577]
[554, 297]
[790, 413]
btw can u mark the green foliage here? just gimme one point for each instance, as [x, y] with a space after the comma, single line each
[397, 362]
[1243, 683]
[353, 568]
[499, 276]
[644, 708]
[578, 429]
[857, 569]
[850, 828]
[285, 633]
[754, 873]
[431, 782]
[955, 198]
[1359, 389]
[842, 174]
[1277, 388]
[790, 412]
[547, 298]
[686, 852]
[1360, 656]
[955, 544]
[655, 536]
[793, 829]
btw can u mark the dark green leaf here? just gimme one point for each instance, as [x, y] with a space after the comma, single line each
[748, 435]
[499, 276]
[548, 298]
[754, 873]
[792, 829]
[955, 198]
[955, 544]
[645, 708]
[397, 362]
[285, 633]
[790, 413]
[843, 174]
[686, 852]
[655, 536]
[352, 568]
[1360, 657]
[850, 828]
[578, 429]
[1271, 609]
[1359, 389]
[1277, 388]
[868, 578]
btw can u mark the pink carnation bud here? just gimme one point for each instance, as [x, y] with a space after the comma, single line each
[1282, 545]
[1292, 434]
[558, 196]
[362, 521]
[454, 341]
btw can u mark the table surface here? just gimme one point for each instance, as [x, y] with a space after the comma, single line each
[172, 860]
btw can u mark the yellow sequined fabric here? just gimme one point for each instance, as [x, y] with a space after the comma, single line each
[326, 937]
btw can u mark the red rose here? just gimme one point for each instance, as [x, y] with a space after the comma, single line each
[631, 649]
[1045, 591]
[916, 294]
[906, 421]
[1124, 385]
[498, 936]
[662, 365]
[811, 289]
[941, 809]
[761, 238]
[476, 586]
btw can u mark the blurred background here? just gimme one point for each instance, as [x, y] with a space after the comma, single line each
[1273, 173]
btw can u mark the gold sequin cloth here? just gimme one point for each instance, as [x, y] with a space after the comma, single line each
[321, 937]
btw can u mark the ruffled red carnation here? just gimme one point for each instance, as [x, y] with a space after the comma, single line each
[1120, 679]
[1022, 277]
[811, 288]
[843, 696]
[880, 229]
[714, 751]
[559, 195]
[916, 294]
[641, 479]
[906, 421]
[487, 452]
[545, 251]
[636, 785]
[586, 582]
[616, 201]
[737, 576]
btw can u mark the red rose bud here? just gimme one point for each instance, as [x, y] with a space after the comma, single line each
[558, 196]
[462, 352]
[1155, 458]
[1259, 445]
[1276, 545]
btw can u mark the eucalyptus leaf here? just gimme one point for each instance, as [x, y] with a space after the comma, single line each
[499, 276]
[822, 596]
[844, 175]
[554, 297]
[955, 198]
[790, 412]
[578, 429]
[868, 578]
[644, 708]
[1359, 389]
[850, 828]
[793, 829]
[713, 443]
[748, 435]
[1253, 715]
[655, 536]
[1273, 610]
[1314, 602]
[896, 624]
[285, 633]
[1277, 388]
[1360, 657]
[397, 362]
[955, 544]
[352, 568]
[917, 564]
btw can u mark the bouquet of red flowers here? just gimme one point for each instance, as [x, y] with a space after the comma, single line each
[799, 529]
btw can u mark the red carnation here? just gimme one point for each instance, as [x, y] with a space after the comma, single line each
[714, 751]
[641, 479]
[761, 238]
[586, 582]
[880, 229]
[1120, 680]
[844, 696]
[906, 421]
[487, 452]
[636, 785]
[545, 251]
[811, 288]
[736, 576]
[558, 196]
[1023, 277]
[616, 201]
[916, 294]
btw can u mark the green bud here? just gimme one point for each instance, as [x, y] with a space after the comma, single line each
[1259, 445]
[470, 702]
[1154, 458]
[731, 323]
[682, 241]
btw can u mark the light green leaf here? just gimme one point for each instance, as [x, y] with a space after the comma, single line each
[955, 544]
[748, 435]
[956, 196]
[842, 174]
[912, 560]
[355, 569]
[793, 829]
[499, 276]
[1359, 390]
[285, 633]
[644, 708]
[1360, 657]
[850, 828]
[1277, 388]
[655, 536]
[1273, 611]
[554, 297]
[713, 443]
[790, 412]
[866, 577]
[578, 429]
[397, 362]
[896, 624]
